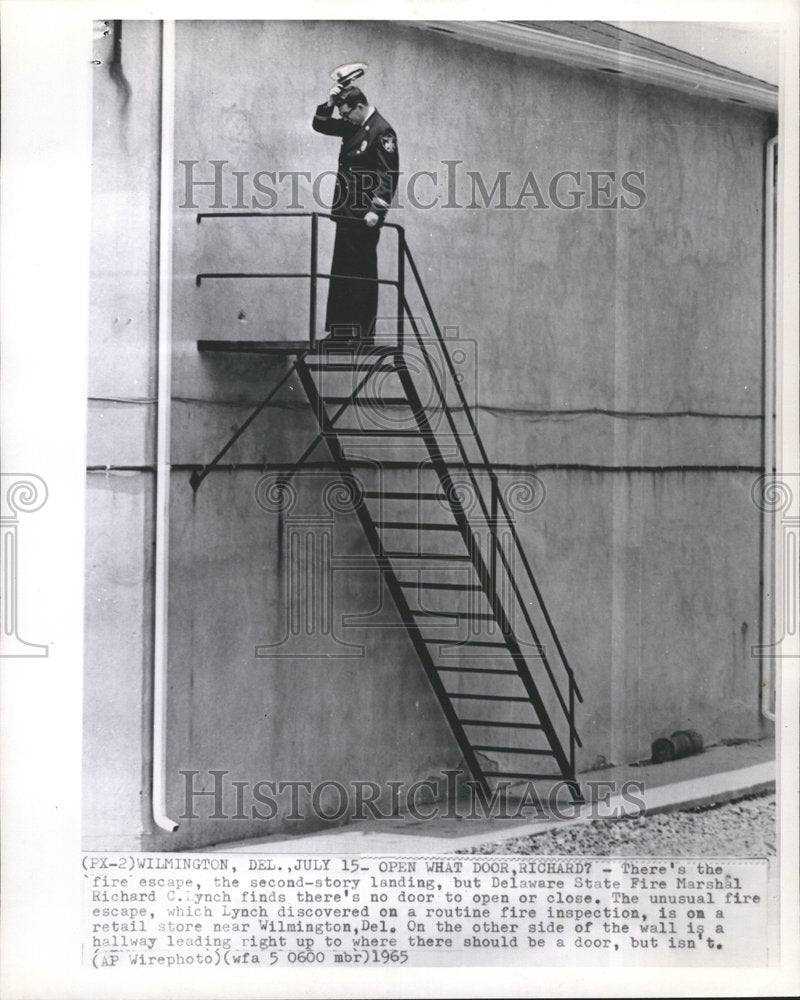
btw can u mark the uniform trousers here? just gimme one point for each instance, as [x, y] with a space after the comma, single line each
[352, 303]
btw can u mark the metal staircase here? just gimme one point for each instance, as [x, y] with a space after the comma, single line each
[396, 421]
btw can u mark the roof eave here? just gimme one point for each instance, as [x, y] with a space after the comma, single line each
[527, 40]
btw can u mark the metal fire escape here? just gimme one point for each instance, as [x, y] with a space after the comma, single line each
[438, 524]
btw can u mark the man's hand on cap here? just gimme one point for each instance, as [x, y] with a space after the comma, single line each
[335, 94]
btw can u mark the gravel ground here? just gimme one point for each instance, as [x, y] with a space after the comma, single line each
[739, 829]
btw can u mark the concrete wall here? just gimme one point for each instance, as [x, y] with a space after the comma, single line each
[606, 344]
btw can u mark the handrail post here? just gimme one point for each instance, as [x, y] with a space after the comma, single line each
[401, 286]
[493, 535]
[312, 305]
[571, 721]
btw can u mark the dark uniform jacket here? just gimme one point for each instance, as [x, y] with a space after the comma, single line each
[368, 163]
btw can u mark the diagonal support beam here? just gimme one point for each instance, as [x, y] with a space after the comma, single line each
[198, 476]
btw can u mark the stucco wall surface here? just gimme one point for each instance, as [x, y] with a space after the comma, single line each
[615, 353]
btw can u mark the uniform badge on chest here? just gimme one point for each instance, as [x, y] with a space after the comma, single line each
[363, 146]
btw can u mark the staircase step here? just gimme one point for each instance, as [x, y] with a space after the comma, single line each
[500, 725]
[377, 403]
[360, 432]
[394, 495]
[478, 696]
[474, 670]
[465, 615]
[351, 346]
[471, 642]
[449, 557]
[419, 525]
[493, 749]
[529, 777]
[354, 367]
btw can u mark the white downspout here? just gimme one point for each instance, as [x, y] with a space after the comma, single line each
[768, 517]
[163, 434]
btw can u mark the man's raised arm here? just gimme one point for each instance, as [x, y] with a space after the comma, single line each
[324, 121]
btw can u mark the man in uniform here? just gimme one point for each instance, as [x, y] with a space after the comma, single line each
[365, 184]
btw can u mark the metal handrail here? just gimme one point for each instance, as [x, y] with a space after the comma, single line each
[313, 274]
[208, 275]
[290, 215]
[496, 546]
[489, 470]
